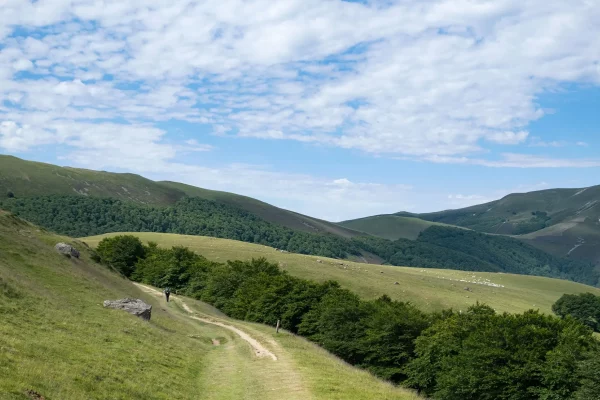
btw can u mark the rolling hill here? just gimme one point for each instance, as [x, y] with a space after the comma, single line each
[562, 222]
[58, 342]
[522, 213]
[391, 227]
[27, 179]
[429, 289]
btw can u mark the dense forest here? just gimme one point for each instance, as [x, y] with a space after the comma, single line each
[436, 247]
[476, 355]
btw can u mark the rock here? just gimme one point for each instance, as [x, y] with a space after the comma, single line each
[468, 289]
[396, 283]
[319, 261]
[133, 306]
[67, 250]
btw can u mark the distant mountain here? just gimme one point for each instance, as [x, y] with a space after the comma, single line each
[28, 179]
[563, 222]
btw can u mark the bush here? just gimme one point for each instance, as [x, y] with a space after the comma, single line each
[10, 195]
[584, 307]
[121, 253]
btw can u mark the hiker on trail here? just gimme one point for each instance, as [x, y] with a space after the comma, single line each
[167, 293]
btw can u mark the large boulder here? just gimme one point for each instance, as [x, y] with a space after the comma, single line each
[133, 306]
[67, 250]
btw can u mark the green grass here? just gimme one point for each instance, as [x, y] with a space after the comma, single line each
[391, 227]
[28, 178]
[430, 289]
[58, 340]
[513, 213]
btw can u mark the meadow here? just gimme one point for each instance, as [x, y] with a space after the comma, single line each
[429, 289]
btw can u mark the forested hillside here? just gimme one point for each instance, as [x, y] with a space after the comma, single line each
[436, 247]
[21, 178]
[522, 213]
[562, 222]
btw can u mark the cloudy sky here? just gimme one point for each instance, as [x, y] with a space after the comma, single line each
[332, 108]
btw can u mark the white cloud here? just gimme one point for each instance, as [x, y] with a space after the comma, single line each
[511, 160]
[508, 137]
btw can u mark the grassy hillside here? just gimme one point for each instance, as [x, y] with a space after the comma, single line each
[58, 341]
[391, 227]
[562, 222]
[266, 211]
[430, 289]
[27, 178]
[522, 213]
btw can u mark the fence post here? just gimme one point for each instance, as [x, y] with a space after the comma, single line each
[277, 327]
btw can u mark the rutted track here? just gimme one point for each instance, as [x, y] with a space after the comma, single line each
[259, 349]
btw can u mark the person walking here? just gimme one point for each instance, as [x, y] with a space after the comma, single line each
[167, 293]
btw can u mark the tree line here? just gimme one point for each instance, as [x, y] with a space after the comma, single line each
[475, 355]
[436, 247]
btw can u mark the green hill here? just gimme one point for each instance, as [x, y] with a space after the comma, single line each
[522, 213]
[27, 179]
[391, 227]
[430, 289]
[57, 341]
[562, 222]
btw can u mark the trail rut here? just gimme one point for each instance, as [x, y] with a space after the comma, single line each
[257, 347]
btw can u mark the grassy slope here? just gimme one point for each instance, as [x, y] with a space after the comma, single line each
[390, 226]
[57, 339]
[28, 178]
[503, 216]
[430, 289]
[266, 211]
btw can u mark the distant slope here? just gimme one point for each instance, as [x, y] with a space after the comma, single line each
[522, 213]
[562, 222]
[57, 341]
[266, 211]
[430, 289]
[391, 227]
[27, 178]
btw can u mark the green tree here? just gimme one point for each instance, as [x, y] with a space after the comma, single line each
[585, 307]
[589, 372]
[480, 355]
[121, 253]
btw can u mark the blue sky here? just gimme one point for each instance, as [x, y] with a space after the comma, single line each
[331, 108]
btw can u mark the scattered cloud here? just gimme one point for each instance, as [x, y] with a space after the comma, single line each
[417, 79]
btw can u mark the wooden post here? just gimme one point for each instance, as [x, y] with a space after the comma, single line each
[277, 327]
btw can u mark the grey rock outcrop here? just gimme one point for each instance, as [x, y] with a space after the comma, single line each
[67, 250]
[133, 306]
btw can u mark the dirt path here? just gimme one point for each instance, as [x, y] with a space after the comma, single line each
[259, 349]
